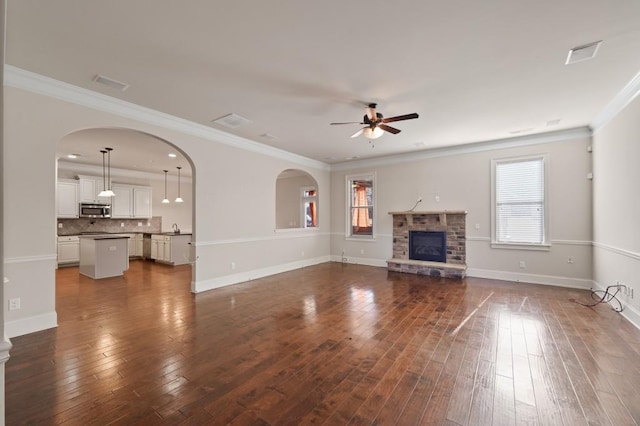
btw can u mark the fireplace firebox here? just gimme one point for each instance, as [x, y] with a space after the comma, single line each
[429, 246]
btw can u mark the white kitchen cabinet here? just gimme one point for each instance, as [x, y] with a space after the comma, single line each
[172, 249]
[141, 202]
[68, 250]
[139, 243]
[90, 187]
[131, 201]
[67, 199]
[122, 202]
[134, 245]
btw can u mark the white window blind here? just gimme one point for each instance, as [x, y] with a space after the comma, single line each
[520, 201]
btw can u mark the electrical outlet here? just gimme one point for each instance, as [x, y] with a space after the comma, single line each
[361, 251]
[233, 266]
[121, 224]
[14, 304]
[139, 223]
[437, 198]
[60, 225]
[522, 264]
[302, 253]
[477, 226]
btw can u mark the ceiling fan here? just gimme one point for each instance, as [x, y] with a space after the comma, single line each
[375, 123]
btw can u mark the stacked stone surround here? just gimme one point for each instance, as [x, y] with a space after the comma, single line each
[451, 222]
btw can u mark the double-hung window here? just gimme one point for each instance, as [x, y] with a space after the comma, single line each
[519, 202]
[360, 206]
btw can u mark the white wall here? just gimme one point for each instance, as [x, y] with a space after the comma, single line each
[463, 182]
[616, 205]
[234, 203]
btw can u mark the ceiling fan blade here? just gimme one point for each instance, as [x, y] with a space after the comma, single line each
[400, 118]
[358, 133]
[347, 122]
[389, 129]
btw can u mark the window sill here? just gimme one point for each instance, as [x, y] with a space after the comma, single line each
[363, 238]
[294, 230]
[521, 246]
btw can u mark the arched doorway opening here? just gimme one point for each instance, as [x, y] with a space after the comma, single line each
[153, 182]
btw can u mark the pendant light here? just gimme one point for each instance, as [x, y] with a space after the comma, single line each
[165, 200]
[179, 199]
[106, 189]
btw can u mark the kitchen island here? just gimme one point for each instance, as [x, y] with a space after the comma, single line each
[103, 256]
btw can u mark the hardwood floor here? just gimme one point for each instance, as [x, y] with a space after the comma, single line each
[331, 344]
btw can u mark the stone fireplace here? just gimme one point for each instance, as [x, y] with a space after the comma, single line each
[429, 243]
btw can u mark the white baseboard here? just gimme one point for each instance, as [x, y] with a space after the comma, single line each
[581, 283]
[629, 312]
[360, 261]
[241, 277]
[31, 324]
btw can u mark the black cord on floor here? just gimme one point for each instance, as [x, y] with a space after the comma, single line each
[607, 297]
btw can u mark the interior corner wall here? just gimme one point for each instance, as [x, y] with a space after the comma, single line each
[234, 204]
[463, 182]
[616, 206]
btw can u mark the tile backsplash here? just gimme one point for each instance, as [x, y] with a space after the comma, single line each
[78, 226]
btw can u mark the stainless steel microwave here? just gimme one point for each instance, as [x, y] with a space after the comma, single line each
[95, 210]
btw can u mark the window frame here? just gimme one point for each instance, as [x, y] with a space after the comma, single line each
[349, 179]
[545, 244]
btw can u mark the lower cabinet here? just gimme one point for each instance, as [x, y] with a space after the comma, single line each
[68, 250]
[172, 249]
[135, 245]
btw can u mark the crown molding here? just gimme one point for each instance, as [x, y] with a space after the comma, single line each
[540, 138]
[36, 83]
[617, 104]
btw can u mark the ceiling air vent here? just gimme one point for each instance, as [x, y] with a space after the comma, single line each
[111, 82]
[268, 136]
[232, 121]
[582, 53]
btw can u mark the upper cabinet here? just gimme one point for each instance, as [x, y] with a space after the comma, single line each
[90, 187]
[67, 199]
[141, 201]
[130, 201]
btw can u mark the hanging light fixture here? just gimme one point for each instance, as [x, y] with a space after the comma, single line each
[179, 199]
[106, 189]
[165, 200]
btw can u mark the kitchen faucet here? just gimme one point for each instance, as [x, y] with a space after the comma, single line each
[176, 230]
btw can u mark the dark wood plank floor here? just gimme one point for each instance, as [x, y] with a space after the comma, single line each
[331, 344]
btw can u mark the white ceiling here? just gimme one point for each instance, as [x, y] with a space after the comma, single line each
[474, 71]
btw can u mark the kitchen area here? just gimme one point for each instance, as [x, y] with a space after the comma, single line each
[109, 215]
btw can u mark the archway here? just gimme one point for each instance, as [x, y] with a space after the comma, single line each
[138, 161]
[297, 200]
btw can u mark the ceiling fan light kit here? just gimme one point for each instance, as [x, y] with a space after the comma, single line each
[375, 123]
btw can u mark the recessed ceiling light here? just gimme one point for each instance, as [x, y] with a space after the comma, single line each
[352, 158]
[419, 144]
[516, 132]
[232, 121]
[72, 156]
[582, 53]
[172, 155]
[554, 122]
[111, 82]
